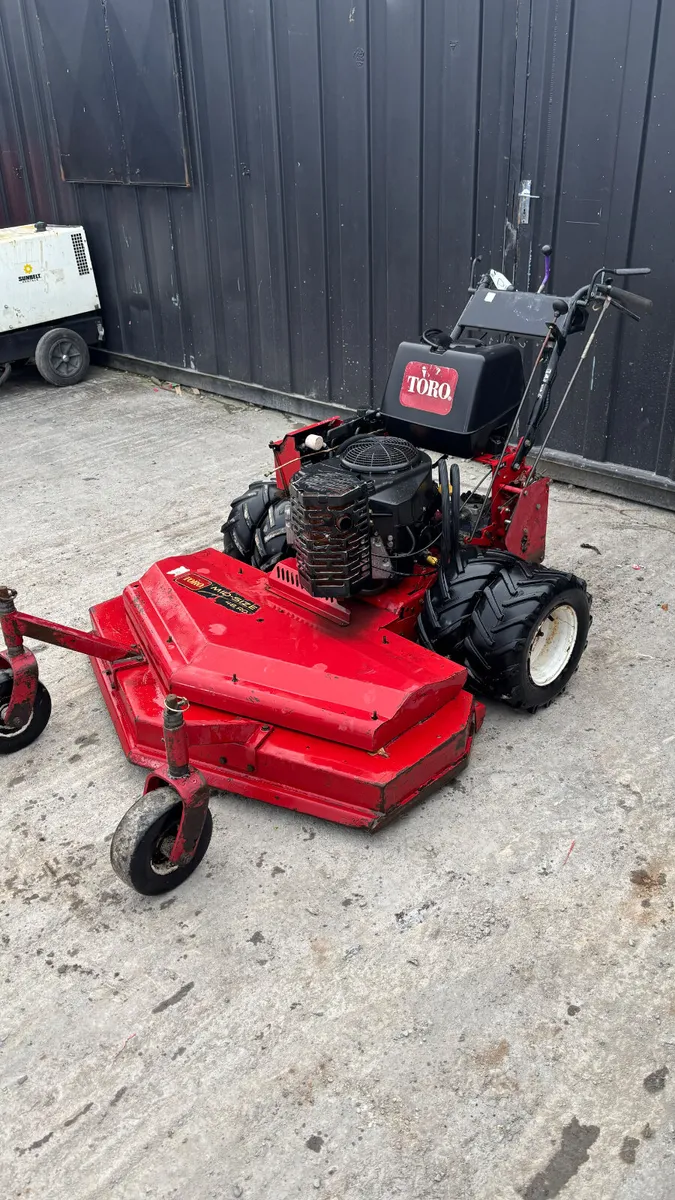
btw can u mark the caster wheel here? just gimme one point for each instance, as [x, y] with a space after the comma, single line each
[16, 739]
[62, 357]
[142, 842]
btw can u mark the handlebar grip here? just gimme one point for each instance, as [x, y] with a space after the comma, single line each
[630, 299]
[631, 271]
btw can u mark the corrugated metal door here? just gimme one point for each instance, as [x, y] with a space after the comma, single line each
[276, 192]
[598, 86]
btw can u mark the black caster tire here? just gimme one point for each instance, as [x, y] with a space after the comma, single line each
[527, 634]
[449, 603]
[270, 537]
[17, 739]
[246, 514]
[62, 357]
[142, 843]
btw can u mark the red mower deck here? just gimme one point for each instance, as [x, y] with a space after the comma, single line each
[351, 721]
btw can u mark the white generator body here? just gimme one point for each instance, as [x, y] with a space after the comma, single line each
[45, 275]
[50, 313]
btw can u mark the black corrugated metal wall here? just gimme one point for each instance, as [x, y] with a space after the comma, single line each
[276, 192]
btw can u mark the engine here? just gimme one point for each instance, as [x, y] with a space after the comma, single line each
[361, 516]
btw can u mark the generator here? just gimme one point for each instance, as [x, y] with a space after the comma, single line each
[49, 305]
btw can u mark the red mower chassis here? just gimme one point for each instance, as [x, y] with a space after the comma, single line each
[304, 703]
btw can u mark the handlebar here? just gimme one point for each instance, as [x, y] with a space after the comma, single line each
[630, 299]
[630, 271]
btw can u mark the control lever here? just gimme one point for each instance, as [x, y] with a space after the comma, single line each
[629, 299]
[547, 251]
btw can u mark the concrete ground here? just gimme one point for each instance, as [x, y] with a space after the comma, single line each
[477, 1002]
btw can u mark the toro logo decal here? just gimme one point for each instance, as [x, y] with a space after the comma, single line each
[215, 591]
[428, 387]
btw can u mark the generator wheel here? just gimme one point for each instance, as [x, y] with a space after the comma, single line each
[142, 842]
[62, 357]
[16, 739]
[246, 514]
[270, 537]
[527, 633]
[449, 603]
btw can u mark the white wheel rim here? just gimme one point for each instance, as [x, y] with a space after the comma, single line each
[552, 645]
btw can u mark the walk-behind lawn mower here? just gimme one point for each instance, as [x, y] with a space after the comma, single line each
[329, 660]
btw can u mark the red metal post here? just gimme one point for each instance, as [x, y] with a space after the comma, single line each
[189, 783]
[175, 737]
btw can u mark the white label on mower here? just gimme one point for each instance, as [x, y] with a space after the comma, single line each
[501, 282]
[489, 297]
[179, 571]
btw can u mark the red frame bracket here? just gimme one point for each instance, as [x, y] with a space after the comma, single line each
[518, 508]
[25, 674]
[71, 639]
[287, 450]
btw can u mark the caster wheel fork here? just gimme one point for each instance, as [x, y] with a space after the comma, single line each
[164, 836]
[142, 844]
[25, 704]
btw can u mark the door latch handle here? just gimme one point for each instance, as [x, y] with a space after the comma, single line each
[525, 195]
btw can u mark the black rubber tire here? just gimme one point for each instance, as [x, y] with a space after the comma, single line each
[49, 360]
[134, 850]
[17, 739]
[503, 625]
[449, 603]
[246, 514]
[270, 537]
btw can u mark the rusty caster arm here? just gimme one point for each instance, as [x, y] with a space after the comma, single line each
[189, 783]
[17, 625]
[22, 662]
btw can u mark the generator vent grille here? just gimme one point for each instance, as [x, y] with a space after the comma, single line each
[80, 253]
